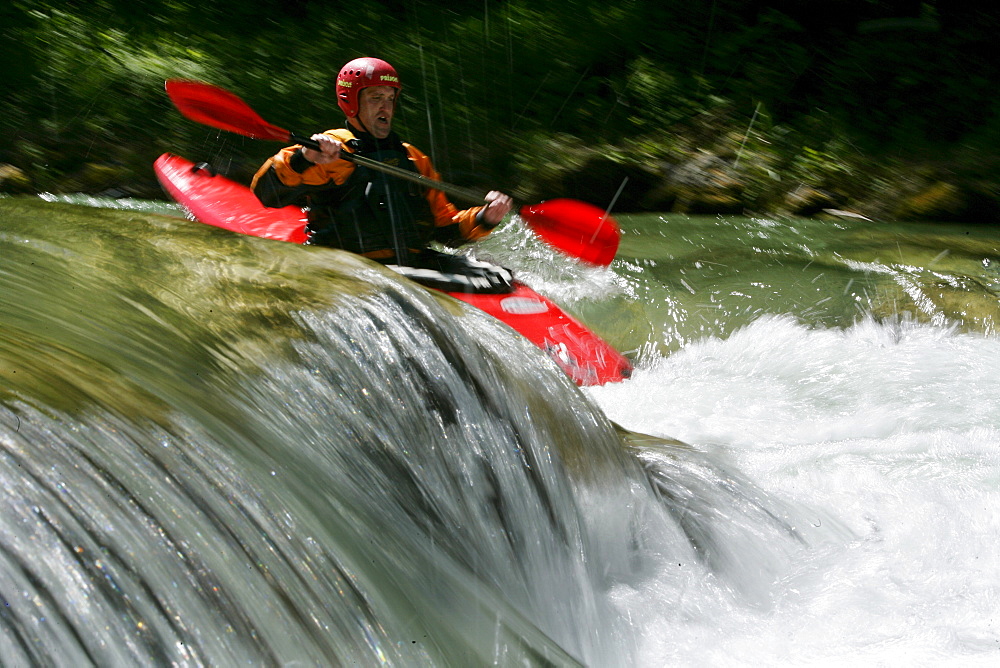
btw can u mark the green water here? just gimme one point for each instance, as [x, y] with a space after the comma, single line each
[715, 275]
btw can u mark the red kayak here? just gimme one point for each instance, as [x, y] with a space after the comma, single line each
[216, 200]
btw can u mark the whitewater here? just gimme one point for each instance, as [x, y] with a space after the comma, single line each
[218, 450]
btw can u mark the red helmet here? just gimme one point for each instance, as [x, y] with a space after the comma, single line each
[363, 73]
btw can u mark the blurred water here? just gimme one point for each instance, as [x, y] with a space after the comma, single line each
[218, 449]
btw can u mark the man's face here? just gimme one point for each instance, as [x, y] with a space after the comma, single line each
[377, 104]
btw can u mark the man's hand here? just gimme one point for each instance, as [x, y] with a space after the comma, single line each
[331, 150]
[498, 205]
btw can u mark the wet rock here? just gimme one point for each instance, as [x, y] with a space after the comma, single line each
[14, 181]
[809, 201]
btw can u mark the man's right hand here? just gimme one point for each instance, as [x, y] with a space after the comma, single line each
[331, 150]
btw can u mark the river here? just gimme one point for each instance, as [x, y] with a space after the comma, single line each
[216, 449]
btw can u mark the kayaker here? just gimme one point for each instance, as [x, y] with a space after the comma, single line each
[361, 210]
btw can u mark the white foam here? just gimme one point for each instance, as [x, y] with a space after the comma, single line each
[892, 429]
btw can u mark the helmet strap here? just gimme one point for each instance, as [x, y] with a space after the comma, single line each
[357, 122]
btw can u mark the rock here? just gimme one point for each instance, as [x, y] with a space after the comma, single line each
[939, 201]
[704, 184]
[809, 201]
[14, 181]
[95, 177]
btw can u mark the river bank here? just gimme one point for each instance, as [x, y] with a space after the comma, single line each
[729, 172]
[723, 177]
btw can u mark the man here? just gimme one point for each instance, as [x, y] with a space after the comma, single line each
[362, 210]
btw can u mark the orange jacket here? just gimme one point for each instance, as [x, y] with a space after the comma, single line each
[445, 213]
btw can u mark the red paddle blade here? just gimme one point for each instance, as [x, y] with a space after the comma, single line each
[576, 228]
[209, 105]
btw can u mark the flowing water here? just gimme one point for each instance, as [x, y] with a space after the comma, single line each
[218, 450]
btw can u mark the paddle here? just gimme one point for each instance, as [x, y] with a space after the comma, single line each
[576, 228]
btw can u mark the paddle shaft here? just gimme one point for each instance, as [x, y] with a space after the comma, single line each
[467, 194]
[544, 219]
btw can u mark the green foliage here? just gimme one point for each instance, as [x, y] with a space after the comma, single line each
[509, 92]
[655, 97]
[818, 167]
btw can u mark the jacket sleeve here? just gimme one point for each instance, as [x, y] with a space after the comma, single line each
[288, 178]
[446, 214]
